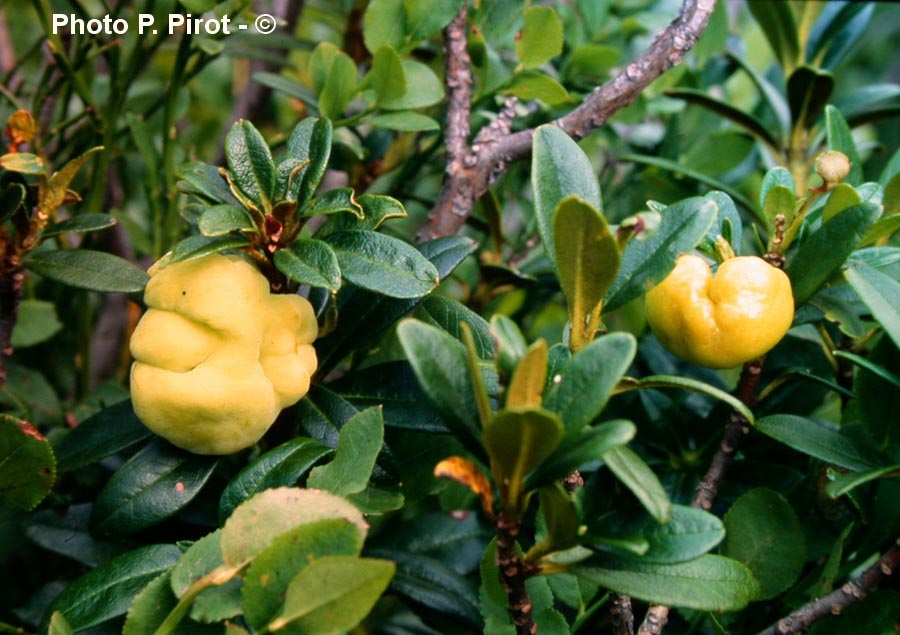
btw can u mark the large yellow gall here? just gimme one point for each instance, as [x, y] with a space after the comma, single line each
[724, 320]
[217, 356]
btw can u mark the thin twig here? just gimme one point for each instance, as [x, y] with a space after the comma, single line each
[463, 187]
[838, 600]
[513, 574]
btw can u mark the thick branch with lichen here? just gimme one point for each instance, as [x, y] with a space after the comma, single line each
[466, 181]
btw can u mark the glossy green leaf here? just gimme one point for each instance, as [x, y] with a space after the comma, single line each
[386, 77]
[366, 315]
[526, 386]
[219, 220]
[375, 210]
[383, 264]
[819, 441]
[529, 85]
[311, 262]
[808, 90]
[880, 292]
[541, 38]
[333, 594]
[820, 254]
[111, 430]
[689, 534]
[450, 315]
[257, 522]
[80, 224]
[151, 486]
[202, 557]
[709, 583]
[427, 89]
[36, 323]
[384, 24]
[587, 258]
[511, 344]
[687, 383]
[59, 625]
[839, 137]
[847, 482]
[577, 451]
[107, 591]
[151, 606]
[560, 517]
[559, 169]
[23, 163]
[776, 20]
[270, 574]
[203, 181]
[439, 362]
[333, 201]
[842, 197]
[199, 246]
[251, 163]
[339, 88]
[317, 142]
[404, 121]
[647, 261]
[780, 199]
[86, 269]
[354, 459]
[517, 441]
[838, 28]
[745, 120]
[425, 18]
[281, 466]
[28, 467]
[764, 533]
[637, 476]
[587, 379]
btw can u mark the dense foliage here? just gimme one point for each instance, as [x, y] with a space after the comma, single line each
[493, 440]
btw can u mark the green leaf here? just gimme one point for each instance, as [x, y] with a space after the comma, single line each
[317, 152]
[340, 86]
[780, 199]
[151, 486]
[80, 224]
[517, 441]
[541, 39]
[776, 20]
[880, 292]
[86, 269]
[577, 451]
[404, 121]
[439, 362]
[251, 163]
[333, 594]
[689, 534]
[59, 625]
[282, 466]
[842, 197]
[808, 90]
[150, 607]
[821, 442]
[449, 315]
[427, 88]
[384, 24]
[36, 323]
[111, 430]
[358, 446]
[383, 264]
[386, 77]
[722, 108]
[845, 482]
[333, 201]
[511, 344]
[688, 383]
[257, 522]
[199, 246]
[425, 18]
[311, 262]
[559, 169]
[709, 583]
[839, 27]
[526, 387]
[878, 395]
[365, 315]
[529, 85]
[203, 556]
[203, 181]
[28, 467]
[637, 476]
[821, 253]
[587, 379]
[23, 163]
[772, 97]
[764, 533]
[647, 261]
[219, 220]
[587, 257]
[840, 138]
[107, 591]
[269, 575]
